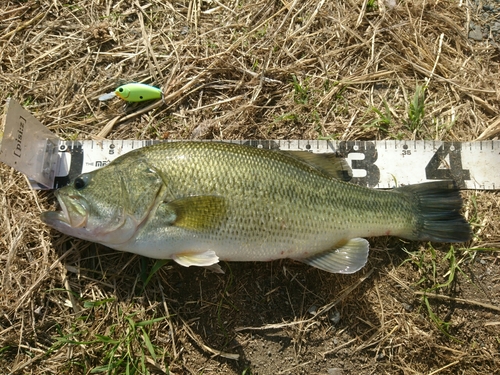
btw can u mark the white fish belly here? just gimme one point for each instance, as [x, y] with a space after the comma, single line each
[233, 245]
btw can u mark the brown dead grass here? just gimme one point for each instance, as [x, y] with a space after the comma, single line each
[243, 70]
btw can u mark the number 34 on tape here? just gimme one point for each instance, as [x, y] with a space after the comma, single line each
[385, 164]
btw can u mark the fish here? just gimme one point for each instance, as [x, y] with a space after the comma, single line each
[138, 92]
[199, 203]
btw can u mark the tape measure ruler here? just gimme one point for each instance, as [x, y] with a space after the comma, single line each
[376, 164]
[32, 149]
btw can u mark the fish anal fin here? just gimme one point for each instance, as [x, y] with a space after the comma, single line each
[201, 259]
[330, 163]
[201, 212]
[350, 257]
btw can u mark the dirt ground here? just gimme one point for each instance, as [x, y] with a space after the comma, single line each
[346, 70]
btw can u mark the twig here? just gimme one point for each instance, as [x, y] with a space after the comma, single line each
[490, 130]
[26, 24]
[215, 352]
[289, 370]
[428, 79]
[337, 348]
[461, 300]
[488, 324]
[445, 367]
[169, 322]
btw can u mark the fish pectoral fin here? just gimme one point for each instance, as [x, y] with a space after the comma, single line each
[330, 164]
[205, 259]
[348, 258]
[200, 212]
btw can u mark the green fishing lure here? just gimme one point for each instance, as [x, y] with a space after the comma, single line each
[138, 92]
[134, 92]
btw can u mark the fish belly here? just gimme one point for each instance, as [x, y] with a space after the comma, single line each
[298, 226]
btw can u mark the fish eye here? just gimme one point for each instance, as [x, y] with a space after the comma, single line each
[80, 182]
[120, 89]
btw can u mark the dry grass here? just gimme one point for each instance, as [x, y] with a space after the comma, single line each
[243, 70]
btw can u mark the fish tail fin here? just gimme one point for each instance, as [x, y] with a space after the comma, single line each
[438, 217]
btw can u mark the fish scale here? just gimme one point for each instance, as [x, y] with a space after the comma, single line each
[198, 203]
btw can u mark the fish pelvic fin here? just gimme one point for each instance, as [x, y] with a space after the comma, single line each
[201, 259]
[438, 218]
[198, 213]
[348, 258]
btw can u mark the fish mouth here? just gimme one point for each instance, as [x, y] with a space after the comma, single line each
[73, 212]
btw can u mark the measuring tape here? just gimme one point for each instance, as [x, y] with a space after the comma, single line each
[49, 162]
[376, 164]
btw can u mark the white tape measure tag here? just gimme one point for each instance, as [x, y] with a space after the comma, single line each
[376, 164]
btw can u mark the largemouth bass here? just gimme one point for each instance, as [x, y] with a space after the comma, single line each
[198, 203]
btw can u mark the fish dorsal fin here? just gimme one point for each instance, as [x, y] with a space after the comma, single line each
[201, 259]
[330, 164]
[348, 258]
[199, 212]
